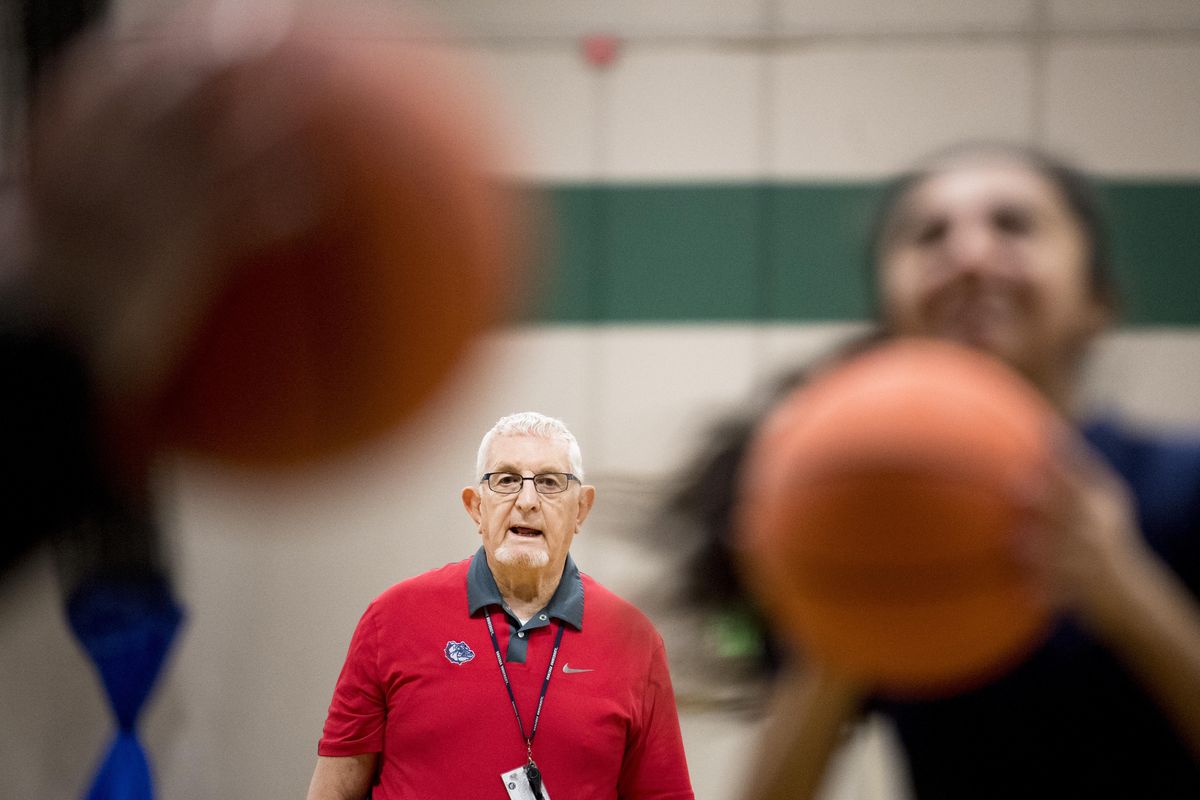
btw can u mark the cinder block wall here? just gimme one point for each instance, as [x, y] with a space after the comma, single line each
[655, 316]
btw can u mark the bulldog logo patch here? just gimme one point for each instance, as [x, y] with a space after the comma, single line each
[458, 652]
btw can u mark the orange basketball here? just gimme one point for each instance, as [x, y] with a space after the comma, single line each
[338, 174]
[877, 516]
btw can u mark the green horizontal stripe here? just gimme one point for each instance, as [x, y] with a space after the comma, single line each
[796, 252]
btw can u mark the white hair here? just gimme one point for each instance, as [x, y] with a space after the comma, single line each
[531, 423]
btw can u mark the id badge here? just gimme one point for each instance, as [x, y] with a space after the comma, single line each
[517, 784]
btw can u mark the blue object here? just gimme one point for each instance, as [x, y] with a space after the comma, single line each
[126, 625]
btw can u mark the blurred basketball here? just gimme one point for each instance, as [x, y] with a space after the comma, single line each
[877, 515]
[336, 178]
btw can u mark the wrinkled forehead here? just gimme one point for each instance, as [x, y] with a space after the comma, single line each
[527, 452]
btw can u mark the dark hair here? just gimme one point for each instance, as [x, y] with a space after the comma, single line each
[33, 34]
[47, 26]
[1078, 190]
[704, 505]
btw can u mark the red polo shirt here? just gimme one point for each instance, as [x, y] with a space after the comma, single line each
[421, 686]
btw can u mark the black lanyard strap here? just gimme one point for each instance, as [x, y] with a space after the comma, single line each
[508, 684]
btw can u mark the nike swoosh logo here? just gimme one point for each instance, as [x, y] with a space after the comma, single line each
[569, 670]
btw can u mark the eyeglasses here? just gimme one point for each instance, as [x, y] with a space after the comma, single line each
[545, 483]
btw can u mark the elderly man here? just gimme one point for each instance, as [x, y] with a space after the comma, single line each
[483, 679]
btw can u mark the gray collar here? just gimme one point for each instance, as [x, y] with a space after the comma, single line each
[566, 604]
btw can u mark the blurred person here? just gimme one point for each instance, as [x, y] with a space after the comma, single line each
[227, 235]
[119, 174]
[255, 163]
[51, 449]
[1004, 249]
[451, 674]
[65, 486]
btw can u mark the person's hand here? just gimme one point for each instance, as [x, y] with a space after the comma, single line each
[1084, 545]
[1081, 537]
[811, 711]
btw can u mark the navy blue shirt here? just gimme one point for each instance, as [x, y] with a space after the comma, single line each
[1072, 721]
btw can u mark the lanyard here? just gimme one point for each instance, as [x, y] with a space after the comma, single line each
[507, 685]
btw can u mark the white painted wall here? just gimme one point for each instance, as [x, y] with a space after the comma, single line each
[274, 573]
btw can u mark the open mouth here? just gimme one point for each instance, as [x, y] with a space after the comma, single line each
[531, 533]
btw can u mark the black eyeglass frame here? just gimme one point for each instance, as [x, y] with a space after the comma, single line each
[487, 479]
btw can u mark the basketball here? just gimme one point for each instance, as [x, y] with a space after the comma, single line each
[877, 512]
[348, 234]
